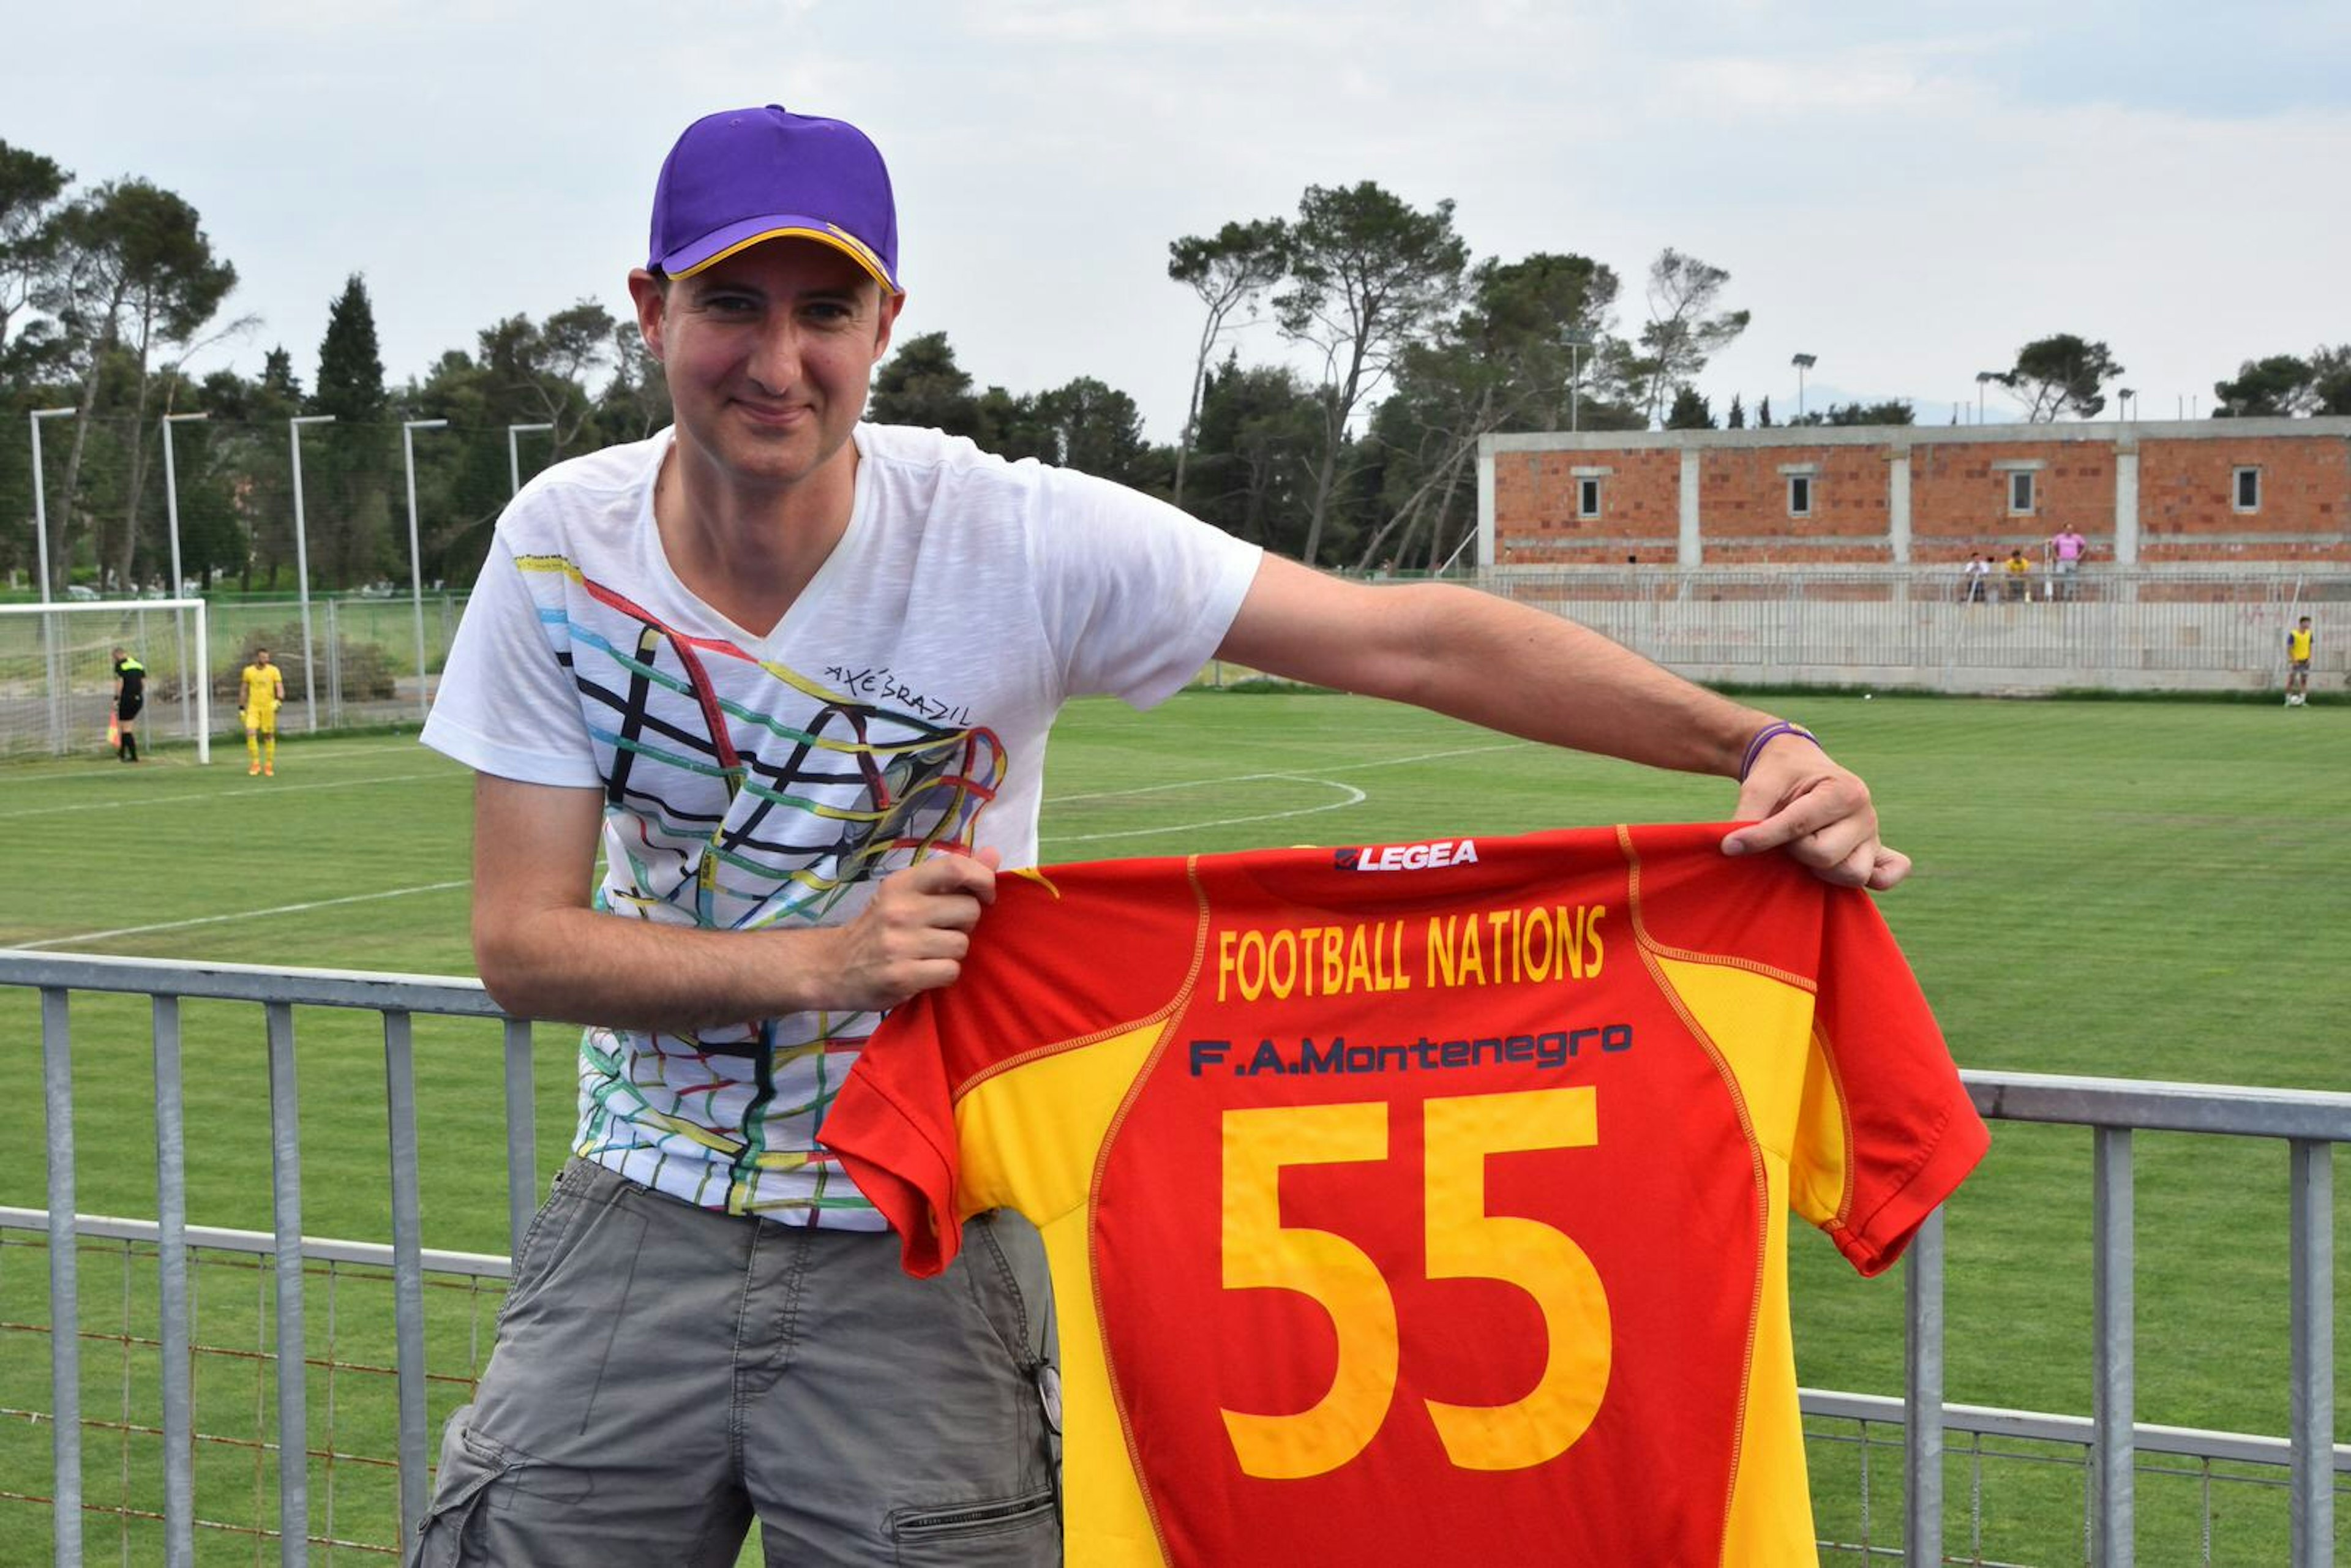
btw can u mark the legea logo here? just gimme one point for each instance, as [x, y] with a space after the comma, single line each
[1407, 857]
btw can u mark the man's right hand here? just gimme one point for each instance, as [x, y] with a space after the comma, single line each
[915, 933]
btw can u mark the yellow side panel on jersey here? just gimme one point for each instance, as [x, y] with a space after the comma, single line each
[1763, 1028]
[1079, 1094]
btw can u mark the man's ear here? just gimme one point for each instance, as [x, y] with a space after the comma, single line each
[645, 292]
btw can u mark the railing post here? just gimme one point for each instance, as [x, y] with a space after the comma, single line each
[522, 1137]
[65, 1298]
[2311, 1420]
[2113, 1453]
[286, 1219]
[172, 1276]
[407, 1267]
[1922, 1286]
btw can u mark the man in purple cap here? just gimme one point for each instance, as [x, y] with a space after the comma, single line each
[796, 672]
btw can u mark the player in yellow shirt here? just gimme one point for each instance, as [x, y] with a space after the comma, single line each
[2298, 664]
[261, 688]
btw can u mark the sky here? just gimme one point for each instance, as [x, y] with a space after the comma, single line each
[1909, 194]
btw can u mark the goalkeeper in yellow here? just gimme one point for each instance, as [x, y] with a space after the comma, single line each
[260, 689]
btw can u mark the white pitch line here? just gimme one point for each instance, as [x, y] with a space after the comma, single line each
[223, 747]
[245, 792]
[1354, 797]
[1254, 777]
[248, 913]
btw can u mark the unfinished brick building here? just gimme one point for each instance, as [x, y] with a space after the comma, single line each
[2212, 493]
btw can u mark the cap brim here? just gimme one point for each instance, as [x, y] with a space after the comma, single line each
[720, 243]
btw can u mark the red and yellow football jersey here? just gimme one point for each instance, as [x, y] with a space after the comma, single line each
[1422, 1203]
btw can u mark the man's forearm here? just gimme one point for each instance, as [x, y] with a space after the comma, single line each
[1549, 679]
[1491, 663]
[583, 967]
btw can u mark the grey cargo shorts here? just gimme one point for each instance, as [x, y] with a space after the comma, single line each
[663, 1371]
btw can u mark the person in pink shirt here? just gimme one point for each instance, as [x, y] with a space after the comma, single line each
[2065, 552]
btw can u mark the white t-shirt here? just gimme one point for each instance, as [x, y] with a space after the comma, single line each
[759, 781]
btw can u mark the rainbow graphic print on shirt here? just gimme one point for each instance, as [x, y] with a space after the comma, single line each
[1413, 1203]
[741, 794]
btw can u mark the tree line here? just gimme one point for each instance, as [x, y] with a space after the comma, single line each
[1356, 449]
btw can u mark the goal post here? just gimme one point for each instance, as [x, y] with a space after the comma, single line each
[57, 674]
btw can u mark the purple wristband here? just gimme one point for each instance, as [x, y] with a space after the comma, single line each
[1764, 737]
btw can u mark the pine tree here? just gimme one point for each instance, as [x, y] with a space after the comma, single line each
[1737, 418]
[351, 503]
[350, 367]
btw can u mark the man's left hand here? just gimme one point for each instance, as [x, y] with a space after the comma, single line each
[1797, 798]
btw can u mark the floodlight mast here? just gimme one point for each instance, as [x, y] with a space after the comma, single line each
[1576, 339]
[302, 560]
[41, 494]
[514, 453]
[172, 492]
[41, 530]
[172, 509]
[408, 429]
[1982, 377]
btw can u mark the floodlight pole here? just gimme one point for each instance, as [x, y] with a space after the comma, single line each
[514, 453]
[49, 632]
[172, 509]
[41, 494]
[1802, 362]
[302, 560]
[1577, 340]
[172, 495]
[408, 429]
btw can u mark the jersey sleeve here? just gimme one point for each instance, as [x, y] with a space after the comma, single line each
[508, 704]
[1887, 1130]
[893, 1129]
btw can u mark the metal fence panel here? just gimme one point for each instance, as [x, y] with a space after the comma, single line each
[2109, 1445]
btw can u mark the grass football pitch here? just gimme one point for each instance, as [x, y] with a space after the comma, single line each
[2140, 889]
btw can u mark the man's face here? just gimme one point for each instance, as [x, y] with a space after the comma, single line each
[768, 354]
[262, 658]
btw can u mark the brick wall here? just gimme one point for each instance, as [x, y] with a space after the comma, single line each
[2187, 499]
[1958, 494]
[1743, 505]
[1958, 498]
[1535, 517]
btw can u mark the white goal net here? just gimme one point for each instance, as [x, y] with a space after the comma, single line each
[57, 676]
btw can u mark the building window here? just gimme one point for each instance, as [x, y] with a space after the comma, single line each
[2020, 496]
[1799, 494]
[2247, 489]
[1587, 497]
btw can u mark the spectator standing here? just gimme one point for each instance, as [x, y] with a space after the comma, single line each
[1978, 573]
[2065, 552]
[2298, 664]
[2019, 574]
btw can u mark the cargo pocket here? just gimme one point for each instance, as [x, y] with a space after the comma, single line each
[468, 1467]
[1003, 1263]
[1022, 1531]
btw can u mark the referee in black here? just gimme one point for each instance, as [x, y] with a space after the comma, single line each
[130, 697]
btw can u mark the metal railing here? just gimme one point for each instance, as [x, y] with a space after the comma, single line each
[2110, 628]
[2110, 1437]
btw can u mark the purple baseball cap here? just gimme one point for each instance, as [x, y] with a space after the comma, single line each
[746, 175]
